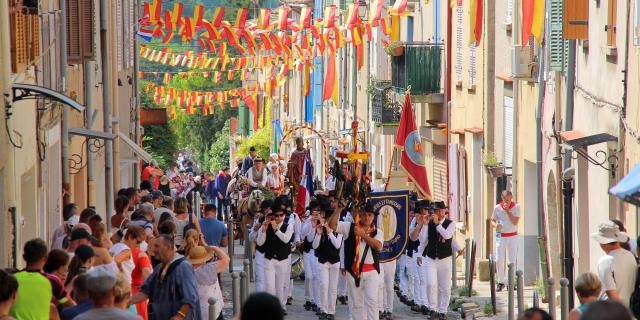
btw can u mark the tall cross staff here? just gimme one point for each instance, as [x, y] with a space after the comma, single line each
[356, 157]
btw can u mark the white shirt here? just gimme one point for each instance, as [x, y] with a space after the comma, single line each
[284, 237]
[617, 271]
[253, 234]
[501, 217]
[263, 182]
[336, 240]
[297, 226]
[423, 236]
[330, 184]
[343, 228]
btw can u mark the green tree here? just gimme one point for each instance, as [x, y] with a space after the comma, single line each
[261, 140]
[219, 151]
[159, 141]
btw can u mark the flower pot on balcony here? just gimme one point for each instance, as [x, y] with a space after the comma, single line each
[496, 171]
[397, 51]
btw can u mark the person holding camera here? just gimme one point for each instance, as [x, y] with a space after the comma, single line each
[327, 245]
[505, 218]
[265, 210]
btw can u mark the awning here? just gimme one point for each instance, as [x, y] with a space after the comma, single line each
[22, 91]
[628, 189]
[91, 134]
[135, 147]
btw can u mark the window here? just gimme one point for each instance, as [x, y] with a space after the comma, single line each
[119, 35]
[80, 28]
[611, 22]
[439, 190]
[25, 37]
[508, 132]
[508, 19]
[576, 19]
[472, 66]
[410, 28]
[459, 19]
[556, 41]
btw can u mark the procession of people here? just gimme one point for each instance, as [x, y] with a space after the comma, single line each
[163, 260]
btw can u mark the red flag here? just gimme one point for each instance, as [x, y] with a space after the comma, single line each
[409, 141]
[330, 77]
[478, 27]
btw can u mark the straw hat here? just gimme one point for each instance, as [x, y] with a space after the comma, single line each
[200, 255]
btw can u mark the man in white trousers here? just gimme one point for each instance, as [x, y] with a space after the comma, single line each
[276, 235]
[362, 244]
[388, 276]
[436, 237]
[505, 217]
[406, 268]
[294, 220]
[327, 245]
[308, 256]
[419, 278]
[342, 281]
[265, 210]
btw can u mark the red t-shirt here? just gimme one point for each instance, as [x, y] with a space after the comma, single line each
[140, 262]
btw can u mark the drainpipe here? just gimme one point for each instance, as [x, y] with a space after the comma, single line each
[106, 104]
[66, 179]
[89, 69]
[447, 88]
[567, 186]
[6, 149]
[136, 99]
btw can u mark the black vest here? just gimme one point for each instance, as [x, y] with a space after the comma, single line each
[326, 251]
[350, 254]
[412, 246]
[274, 248]
[437, 247]
[307, 245]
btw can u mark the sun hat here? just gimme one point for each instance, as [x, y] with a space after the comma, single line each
[200, 255]
[608, 232]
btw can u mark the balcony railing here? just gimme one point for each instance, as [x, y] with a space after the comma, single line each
[420, 66]
[384, 107]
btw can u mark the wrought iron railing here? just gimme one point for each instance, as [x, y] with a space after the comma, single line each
[384, 107]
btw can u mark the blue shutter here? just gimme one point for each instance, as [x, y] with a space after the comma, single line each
[436, 21]
[410, 28]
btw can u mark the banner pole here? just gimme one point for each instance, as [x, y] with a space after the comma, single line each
[393, 157]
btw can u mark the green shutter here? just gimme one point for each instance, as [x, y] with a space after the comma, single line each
[556, 42]
[242, 119]
[565, 59]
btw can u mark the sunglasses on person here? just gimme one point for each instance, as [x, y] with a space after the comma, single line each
[279, 215]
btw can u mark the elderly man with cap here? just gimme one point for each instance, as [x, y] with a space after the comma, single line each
[101, 286]
[276, 236]
[436, 236]
[258, 174]
[248, 161]
[362, 245]
[617, 268]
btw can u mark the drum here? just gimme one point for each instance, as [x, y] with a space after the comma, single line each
[297, 265]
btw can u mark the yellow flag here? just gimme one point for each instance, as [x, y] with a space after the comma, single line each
[473, 7]
[336, 84]
[395, 27]
[537, 27]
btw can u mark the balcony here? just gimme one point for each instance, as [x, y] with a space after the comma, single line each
[421, 67]
[385, 108]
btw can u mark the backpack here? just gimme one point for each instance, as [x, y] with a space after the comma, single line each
[189, 226]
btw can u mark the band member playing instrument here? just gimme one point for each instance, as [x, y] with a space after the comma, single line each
[419, 277]
[436, 236]
[362, 245]
[327, 245]
[265, 209]
[276, 236]
[307, 236]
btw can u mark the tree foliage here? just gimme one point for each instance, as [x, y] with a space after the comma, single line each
[261, 140]
[158, 141]
[219, 151]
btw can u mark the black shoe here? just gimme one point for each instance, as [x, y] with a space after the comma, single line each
[342, 300]
[314, 308]
[380, 315]
[424, 310]
[289, 301]
[307, 305]
[389, 315]
[416, 308]
[330, 317]
[442, 316]
[500, 287]
[284, 311]
[403, 299]
[322, 316]
[411, 303]
[319, 312]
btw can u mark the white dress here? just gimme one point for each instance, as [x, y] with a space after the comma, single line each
[208, 287]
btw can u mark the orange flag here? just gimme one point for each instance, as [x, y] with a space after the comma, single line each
[330, 77]
[527, 20]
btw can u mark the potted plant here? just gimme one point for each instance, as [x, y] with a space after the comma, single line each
[395, 49]
[493, 165]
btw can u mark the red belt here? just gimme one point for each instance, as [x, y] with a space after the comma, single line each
[368, 267]
[508, 234]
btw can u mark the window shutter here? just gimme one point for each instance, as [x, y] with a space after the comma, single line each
[556, 43]
[24, 38]
[119, 35]
[439, 173]
[459, 19]
[74, 38]
[472, 65]
[462, 184]
[509, 16]
[611, 23]
[508, 132]
[88, 29]
[132, 31]
[576, 19]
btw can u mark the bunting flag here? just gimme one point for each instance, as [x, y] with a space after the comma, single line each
[527, 20]
[305, 17]
[537, 26]
[399, 7]
[475, 18]
[330, 77]
[241, 18]
[264, 20]
[250, 101]
[330, 16]
[283, 17]
[218, 15]
[395, 27]
[376, 13]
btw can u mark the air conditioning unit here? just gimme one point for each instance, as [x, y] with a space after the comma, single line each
[525, 62]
